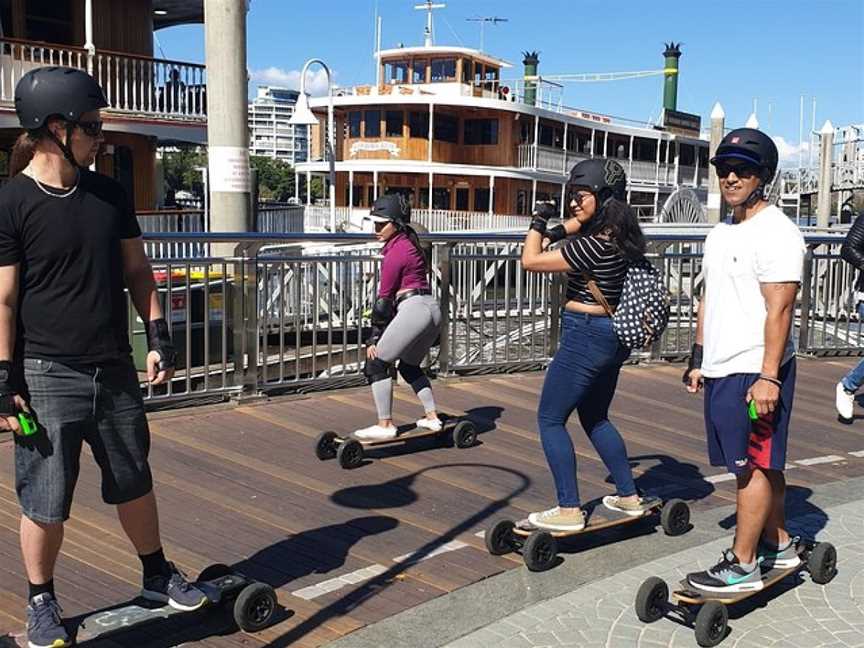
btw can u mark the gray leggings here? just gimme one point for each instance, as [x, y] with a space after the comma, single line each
[408, 339]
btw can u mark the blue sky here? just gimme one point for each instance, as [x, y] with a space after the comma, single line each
[734, 51]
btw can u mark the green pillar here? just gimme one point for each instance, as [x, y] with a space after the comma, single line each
[530, 62]
[670, 76]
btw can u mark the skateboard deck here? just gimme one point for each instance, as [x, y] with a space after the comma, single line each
[411, 431]
[599, 517]
[695, 596]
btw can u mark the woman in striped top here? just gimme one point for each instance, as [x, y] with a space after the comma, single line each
[603, 238]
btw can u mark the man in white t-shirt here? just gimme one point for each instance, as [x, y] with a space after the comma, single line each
[745, 357]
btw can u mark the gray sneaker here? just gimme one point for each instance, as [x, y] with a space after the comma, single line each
[634, 507]
[771, 556]
[727, 576]
[173, 588]
[44, 625]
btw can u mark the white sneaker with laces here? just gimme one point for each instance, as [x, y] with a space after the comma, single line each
[845, 403]
[376, 433]
[433, 425]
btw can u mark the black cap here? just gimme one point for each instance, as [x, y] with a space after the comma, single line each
[749, 145]
[391, 207]
[604, 178]
[48, 91]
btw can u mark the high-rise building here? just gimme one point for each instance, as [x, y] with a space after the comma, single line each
[270, 134]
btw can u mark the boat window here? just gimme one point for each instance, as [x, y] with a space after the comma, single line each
[418, 122]
[373, 123]
[396, 72]
[443, 70]
[354, 123]
[446, 128]
[481, 200]
[481, 131]
[467, 70]
[686, 155]
[394, 121]
[547, 135]
[420, 68]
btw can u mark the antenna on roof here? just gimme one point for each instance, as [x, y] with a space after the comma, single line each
[483, 20]
[428, 6]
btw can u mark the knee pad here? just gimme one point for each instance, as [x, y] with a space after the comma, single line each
[411, 373]
[376, 370]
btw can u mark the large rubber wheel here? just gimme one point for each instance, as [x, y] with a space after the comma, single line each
[651, 600]
[255, 606]
[325, 446]
[498, 538]
[350, 453]
[822, 563]
[711, 622]
[465, 434]
[539, 551]
[675, 517]
[212, 572]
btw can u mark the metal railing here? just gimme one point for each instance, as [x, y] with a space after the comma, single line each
[290, 312]
[132, 84]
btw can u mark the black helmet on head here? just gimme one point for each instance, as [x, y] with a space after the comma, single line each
[749, 145]
[606, 179]
[391, 207]
[48, 91]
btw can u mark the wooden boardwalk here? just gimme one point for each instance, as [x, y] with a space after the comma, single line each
[241, 485]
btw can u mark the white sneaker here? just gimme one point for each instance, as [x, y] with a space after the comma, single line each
[433, 425]
[845, 403]
[377, 433]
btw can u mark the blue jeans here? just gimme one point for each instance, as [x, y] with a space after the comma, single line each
[582, 376]
[853, 380]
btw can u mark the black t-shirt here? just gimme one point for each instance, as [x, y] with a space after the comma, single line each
[601, 261]
[71, 304]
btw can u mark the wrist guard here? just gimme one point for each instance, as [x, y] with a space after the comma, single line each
[693, 362]
[159, 340]
[555, 234]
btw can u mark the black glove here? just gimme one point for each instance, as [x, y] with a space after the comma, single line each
[555, 234]
[693, 362]
[159, 340]
[7, 392]
[543, 211]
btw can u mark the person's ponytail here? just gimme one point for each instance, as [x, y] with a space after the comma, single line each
[22, 152]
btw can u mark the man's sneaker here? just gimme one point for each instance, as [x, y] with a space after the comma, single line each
[630, 506]
[845, 402]
[377, 433]
[44, 625]
[771, 556]
[173, 588]
[555, 520]
[433, 425]
[728, 576]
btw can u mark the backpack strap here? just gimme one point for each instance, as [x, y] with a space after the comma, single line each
[597, 294]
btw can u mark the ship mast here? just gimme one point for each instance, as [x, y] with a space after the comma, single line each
[428, 6]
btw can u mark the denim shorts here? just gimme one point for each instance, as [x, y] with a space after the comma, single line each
[100, 404]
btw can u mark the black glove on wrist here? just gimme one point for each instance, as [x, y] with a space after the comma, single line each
[159, 340]
[555, 234]
[543, 211]
[693, 362]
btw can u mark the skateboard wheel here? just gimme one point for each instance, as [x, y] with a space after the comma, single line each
[710, 625]
[212, 572]
[675, 517]
[465, 434]
[254, 607]
[498, 538]
[539, 551]
[822, 563]
[350, 453]
[651, 600]
[325, 446]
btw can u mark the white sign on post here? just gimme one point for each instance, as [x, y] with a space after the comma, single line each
[229, 169]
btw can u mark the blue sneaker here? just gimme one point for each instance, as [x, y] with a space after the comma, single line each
[728, 576]
[173, 588]
[44, 625]
[771, 556]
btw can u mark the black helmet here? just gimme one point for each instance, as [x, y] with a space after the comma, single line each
[48, 91]
[391, 207]
[604, 178]
[752, 146]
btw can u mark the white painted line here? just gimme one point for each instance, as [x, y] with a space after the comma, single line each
[333, 584]
[720, 478]
[820, 460]
[481, 534]
[453, 545]
[857, 453]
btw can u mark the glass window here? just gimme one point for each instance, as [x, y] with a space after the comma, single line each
[373, 123]
[443, 70]
[354, 124]
[418, 122]
[420, 67]
[446, 128]
[481, 131]
[481, 200]
[440, 198]
[467, 70]
[393, 120]
[396, 72]
[547, 135]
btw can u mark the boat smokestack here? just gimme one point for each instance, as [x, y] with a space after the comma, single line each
[670, 76]
[531, 60]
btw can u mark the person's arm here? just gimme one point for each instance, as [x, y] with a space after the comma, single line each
[534, 258]
[852, 250]
[780, 307]
[138, 275]
[692, 378]
[10, 402]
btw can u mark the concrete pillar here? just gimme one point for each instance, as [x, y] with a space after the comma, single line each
[826, 150]
[227, 128]
[715, 199]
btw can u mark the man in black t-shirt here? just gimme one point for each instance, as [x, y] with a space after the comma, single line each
[69, 246]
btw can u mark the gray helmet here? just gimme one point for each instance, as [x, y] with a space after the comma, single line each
[391, 207]
[606, 179]
[47, 91]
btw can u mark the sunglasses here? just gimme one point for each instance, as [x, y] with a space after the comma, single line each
[90, 128]
[380, 225]
[578, 197]
[743, 171]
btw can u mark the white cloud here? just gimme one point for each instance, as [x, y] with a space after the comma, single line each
[789, 152]
[316, 79]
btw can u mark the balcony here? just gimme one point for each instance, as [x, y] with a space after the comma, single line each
[134, 85]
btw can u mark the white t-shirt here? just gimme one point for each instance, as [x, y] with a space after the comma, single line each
[766, 248]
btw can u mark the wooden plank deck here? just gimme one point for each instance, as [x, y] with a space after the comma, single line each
[241, 485]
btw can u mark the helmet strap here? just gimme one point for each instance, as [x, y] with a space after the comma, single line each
[67, 151]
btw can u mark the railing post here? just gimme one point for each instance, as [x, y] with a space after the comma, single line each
[556, 288]
[245, 319]
[806, 283]
[444, 253]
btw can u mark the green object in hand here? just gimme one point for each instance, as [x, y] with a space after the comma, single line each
[28, 425]
[751, 411]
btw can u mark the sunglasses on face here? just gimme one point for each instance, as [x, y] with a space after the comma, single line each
[578, 197]
[90, 128]
[380, 225]
[743, 171]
